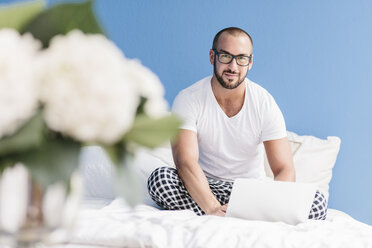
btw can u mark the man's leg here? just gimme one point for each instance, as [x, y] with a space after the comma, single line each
[168, 191]
[319, 208]
[221, 190]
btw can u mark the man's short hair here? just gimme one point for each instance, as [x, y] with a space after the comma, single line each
[232, 31]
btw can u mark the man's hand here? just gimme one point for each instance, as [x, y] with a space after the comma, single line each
[219, 211]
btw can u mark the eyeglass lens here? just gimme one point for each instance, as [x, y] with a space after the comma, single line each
[227, 58]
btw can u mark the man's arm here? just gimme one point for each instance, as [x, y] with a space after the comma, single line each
[186, 155]
[280, 159]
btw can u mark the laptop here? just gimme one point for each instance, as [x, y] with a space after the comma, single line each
[268, 200]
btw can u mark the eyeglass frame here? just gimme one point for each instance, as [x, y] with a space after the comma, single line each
[232, 57]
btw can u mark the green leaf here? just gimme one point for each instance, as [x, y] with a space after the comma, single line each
[61, 19]
[18, 14]
[141, 106]
[28, 137]
[153, 132]
[128, 183]
[55, 160]
[5, 163]
[116, 153]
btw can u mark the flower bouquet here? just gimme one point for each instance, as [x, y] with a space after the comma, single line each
[63, 85]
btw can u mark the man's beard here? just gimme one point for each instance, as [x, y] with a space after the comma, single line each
[225, 84]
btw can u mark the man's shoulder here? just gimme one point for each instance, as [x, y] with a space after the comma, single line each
[190, 99]
[257, 91]
[255, 87]
[197, 88]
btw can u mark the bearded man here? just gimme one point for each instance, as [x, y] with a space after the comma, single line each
[229, 122]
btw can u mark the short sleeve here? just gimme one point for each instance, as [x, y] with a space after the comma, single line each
[184, 107]
[273, 124]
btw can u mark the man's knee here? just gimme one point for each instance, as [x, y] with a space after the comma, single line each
[160, 177]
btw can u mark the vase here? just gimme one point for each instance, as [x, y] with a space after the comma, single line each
[30, 214]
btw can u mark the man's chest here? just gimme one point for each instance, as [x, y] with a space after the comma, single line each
[239, 134]
[230, 108]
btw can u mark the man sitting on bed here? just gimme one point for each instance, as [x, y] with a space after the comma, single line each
[228, 122]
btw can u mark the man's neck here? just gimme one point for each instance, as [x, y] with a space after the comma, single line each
[230, 100]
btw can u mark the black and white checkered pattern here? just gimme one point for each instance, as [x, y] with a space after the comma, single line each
[319, 208]
[168, 191]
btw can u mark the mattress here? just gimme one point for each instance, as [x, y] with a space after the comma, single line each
[116, 225]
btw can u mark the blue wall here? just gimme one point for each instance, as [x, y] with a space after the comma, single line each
[314, 57]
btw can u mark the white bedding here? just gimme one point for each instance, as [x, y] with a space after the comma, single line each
[102, 223]
[117, 226]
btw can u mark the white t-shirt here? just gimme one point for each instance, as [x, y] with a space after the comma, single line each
[230, 148]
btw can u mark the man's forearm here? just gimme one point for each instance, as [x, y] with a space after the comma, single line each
[197, 185]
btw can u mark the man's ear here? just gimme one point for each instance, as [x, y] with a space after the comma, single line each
[211, 56]
[250, 63]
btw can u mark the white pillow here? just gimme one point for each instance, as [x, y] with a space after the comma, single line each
[313, 159]
[146, 161]
[98, 172]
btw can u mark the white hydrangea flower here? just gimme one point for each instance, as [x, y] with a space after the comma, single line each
[150, 87]
[86, 90]
[18, 85]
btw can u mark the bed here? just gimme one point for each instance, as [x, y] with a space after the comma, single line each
[106, 220]
[115, 225]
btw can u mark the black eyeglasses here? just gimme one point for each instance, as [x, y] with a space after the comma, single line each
[226, 58]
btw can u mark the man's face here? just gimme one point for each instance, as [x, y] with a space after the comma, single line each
[231, 75]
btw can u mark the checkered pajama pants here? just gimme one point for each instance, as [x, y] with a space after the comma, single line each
[168, 191]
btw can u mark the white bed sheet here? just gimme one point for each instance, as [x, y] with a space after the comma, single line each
[115, 225]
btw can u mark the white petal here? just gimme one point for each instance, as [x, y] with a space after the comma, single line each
[14, 198]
